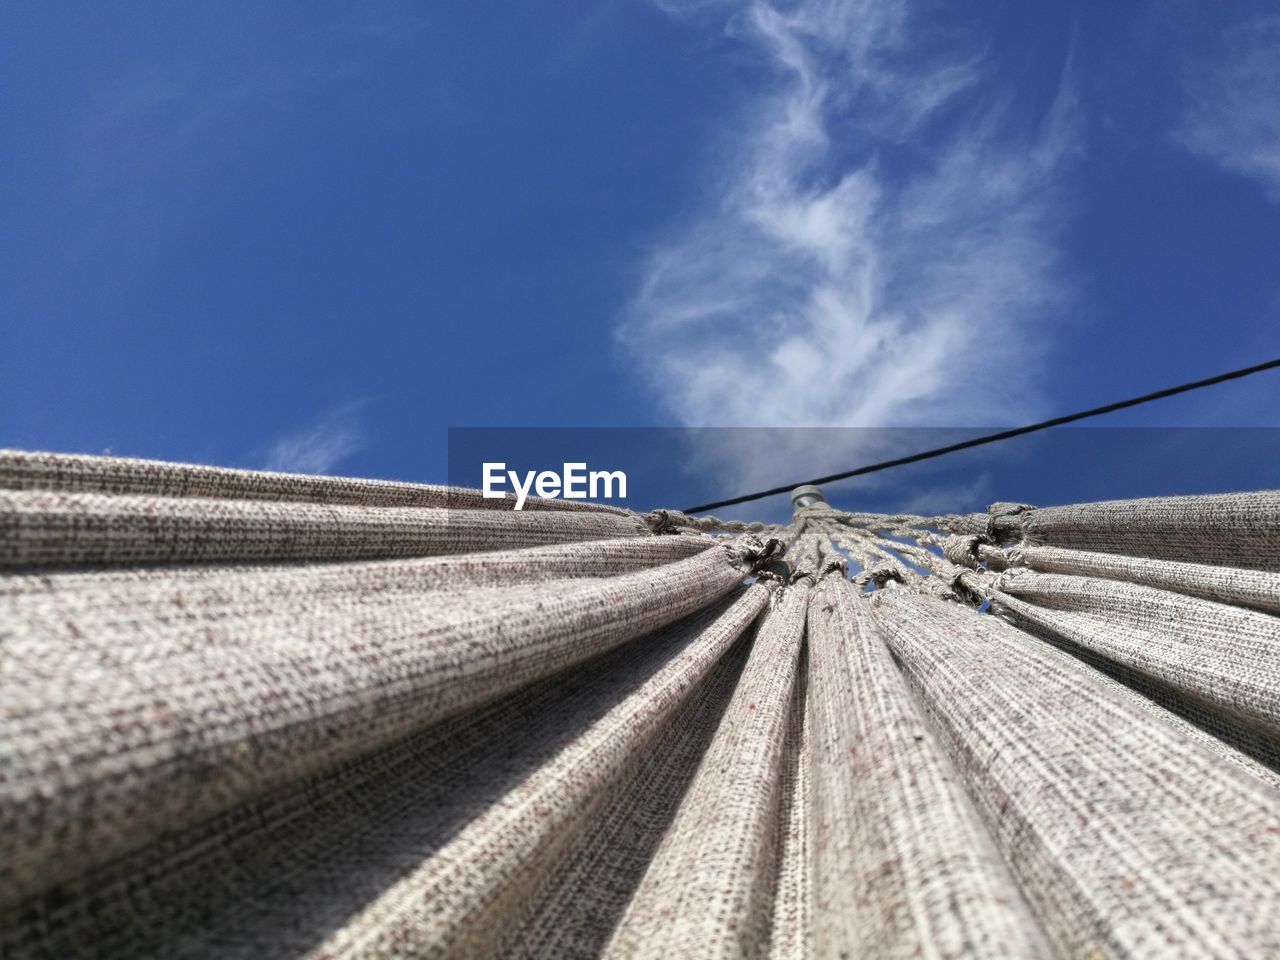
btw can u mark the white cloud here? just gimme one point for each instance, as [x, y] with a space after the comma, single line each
[319, 448]
[1233, 115]
[882, 250]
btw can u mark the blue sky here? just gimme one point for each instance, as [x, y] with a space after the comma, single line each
[313, 237]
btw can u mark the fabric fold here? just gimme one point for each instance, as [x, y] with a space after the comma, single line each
[1223, 656]
[450, 905]
[902, 864]
[1127, 837]
[1258, 589]
[81, 473]
[42, 529]
[1226, 529]
[709, 889]
[134, 596]
[112, 744]
[414, 845]
[578, 902]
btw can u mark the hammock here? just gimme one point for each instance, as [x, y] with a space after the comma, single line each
[260, 715]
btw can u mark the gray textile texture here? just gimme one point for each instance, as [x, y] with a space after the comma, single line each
[1234, 585]
[257, 715]
[1226, 529]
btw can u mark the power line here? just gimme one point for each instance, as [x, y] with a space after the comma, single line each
[993, 437]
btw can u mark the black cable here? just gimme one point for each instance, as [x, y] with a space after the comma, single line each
[993, 437]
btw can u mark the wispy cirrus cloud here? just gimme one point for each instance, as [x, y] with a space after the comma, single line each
[1233, 111]
[320, 447]
[886, 228]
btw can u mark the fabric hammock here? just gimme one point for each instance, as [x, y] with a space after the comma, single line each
[258, 715]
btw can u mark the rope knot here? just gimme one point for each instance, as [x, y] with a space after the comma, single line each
[677, 521]
[964, 586]
[751, 552]
[1004, 520]
[761, 558]
[879, 575]
[802, 573]
[835, 565]
[962, 549]
[661, 522]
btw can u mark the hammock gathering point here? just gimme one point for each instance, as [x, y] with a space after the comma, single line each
[261, 715]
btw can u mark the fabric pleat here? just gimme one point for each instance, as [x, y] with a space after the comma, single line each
[467, 810]
[1228, 529]
[791, 926]
[123, 730]
[40, 529]
[75, 473]
[1234, 585]
[485, 869]
[578, 904]
[1127, 838]
[709, 890]
[902, 864]
[215, 590]
[1222, 656]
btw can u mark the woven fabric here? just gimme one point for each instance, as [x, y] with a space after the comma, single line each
[1224, 656]
[574, 911]
[468, 813]
[1234, 585]
[1234, 529]
[709, 889]
[790, 929]
[257, 715]
[39, 528]
[116, 716]
[75, 473]
[1127, 838]
[1228, 529]
[902, 864]
[450, 903]
[216, 589]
